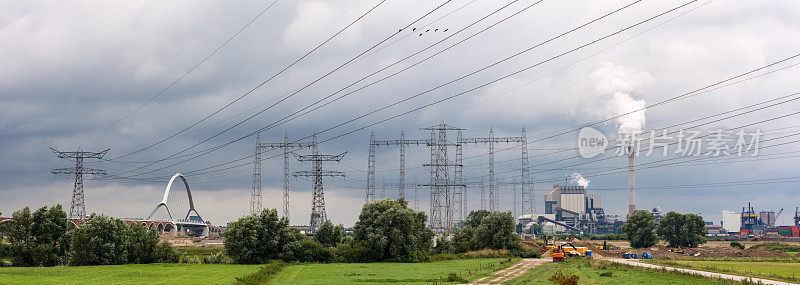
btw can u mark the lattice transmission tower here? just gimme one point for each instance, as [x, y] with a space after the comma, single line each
[77, 209]
[526, 183]
[441, 185]
[286, 146]
[318, 214]
[402, 143]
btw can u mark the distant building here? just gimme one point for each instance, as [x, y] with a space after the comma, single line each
[573, 207]
[731, 221]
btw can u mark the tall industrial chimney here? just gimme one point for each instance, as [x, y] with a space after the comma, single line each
[631, 183]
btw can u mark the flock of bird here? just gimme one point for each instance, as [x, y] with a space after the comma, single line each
[428, 30]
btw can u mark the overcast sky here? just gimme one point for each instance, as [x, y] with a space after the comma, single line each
[70, 70]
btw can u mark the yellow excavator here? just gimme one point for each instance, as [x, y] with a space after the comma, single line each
[561, 250]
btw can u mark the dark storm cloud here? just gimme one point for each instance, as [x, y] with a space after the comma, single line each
[67, 70]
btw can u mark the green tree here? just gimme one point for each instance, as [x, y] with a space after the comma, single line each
[101, 240]
[327, 235]
[37, 239]
[307, 251]
[147, 247]
[639, 229]
[19, 234]
[257, 238]
[496, 231]
[462, 239]
[682, 230]
[443, 245]
[475, 217]
[390, 230]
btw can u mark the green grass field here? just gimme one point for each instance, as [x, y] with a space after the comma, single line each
[604, 272]
[371, 273]
[785, 270]
[163, 273]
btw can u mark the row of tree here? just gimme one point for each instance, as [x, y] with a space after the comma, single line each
[385, 230]
[41, 239]
[678, 230]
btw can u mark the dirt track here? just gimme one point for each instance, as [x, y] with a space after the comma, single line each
[704, 273]
[511, 272]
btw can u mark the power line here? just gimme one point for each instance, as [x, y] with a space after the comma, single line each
[129, 113]
[334, 138]
[203, 152]
[259, 85]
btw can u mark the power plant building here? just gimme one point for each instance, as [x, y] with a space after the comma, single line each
[575, 208]
[731, 221]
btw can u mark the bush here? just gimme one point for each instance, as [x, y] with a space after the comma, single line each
[444, 256]
[307, 251]
[526, 253]
[560, 278]
[639, 229]
[607, 274]
[357, 252]
[736, 244]
[454, 277]
[259, 238]
[417, 256]
[218, 258]
[263, 275]
[443, 245]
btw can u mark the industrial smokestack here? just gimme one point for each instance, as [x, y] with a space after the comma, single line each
[631, 183]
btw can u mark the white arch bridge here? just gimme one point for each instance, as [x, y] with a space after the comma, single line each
[177, 208]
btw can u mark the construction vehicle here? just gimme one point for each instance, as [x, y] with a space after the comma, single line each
[560, 251]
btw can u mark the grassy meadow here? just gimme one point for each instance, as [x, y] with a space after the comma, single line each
[387, 272]
[159, 273]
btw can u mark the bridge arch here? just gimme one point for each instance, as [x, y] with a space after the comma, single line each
[164, 202]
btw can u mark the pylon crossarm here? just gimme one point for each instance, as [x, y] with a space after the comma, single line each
[320, 157]
[328, 173]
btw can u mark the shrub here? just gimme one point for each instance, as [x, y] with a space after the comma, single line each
[444, 256]
[217, 258]
[607, 274]
[307, 251]
[736, 244]
[454, 277]
[526, 252]
[417, 256]
[562, 279]
[357, 252]
[263, 275]
[443, 245]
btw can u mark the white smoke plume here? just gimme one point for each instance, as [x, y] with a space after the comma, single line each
[614, 84]
[577, 178]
